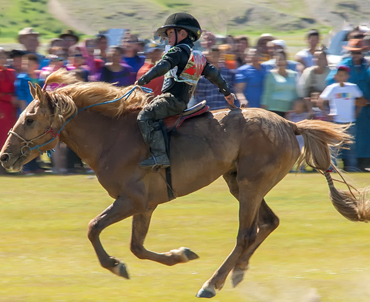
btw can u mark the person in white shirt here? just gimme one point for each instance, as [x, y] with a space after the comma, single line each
[342, 97]
[306, 56]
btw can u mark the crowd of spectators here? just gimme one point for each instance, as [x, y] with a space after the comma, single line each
[262, 75]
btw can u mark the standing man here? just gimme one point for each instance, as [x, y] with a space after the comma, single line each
[30, 41]
[306, 56]
[182, 67]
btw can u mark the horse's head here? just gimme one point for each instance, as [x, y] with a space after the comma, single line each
[36, 126]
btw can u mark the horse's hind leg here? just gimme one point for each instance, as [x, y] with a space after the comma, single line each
[119, 210]
[140, 226]
[250, 197]
[267, 223]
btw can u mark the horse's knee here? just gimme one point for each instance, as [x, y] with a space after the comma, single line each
[247, 237]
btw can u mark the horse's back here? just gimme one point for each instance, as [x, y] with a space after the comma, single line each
[211, 145]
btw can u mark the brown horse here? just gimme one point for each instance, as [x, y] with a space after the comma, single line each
[252, 149]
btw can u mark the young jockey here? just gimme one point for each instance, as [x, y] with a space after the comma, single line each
[182, 68]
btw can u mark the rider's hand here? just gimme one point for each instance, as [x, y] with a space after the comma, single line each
[136, 83]
[230, 100]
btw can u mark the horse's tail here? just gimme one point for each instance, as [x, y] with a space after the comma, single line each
[318, 137]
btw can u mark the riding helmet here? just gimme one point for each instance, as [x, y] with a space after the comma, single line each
[184, 21]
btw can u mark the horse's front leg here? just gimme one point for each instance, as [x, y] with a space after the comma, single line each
[122, 208]
[140, 226]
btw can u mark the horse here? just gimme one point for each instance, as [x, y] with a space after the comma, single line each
[253, 149]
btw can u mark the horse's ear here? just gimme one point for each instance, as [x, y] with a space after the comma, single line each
[32, 90]
[40, 93]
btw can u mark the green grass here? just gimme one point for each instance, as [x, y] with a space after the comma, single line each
[45, 255]
[18, 14]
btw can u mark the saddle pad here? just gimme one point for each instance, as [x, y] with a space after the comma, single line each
[176, 121]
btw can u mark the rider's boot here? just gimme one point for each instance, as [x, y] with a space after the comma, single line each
[159, 157]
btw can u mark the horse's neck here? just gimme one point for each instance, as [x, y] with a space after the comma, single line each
[91, 134]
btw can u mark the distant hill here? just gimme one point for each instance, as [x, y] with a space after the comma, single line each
[144, 16]
[220, 16]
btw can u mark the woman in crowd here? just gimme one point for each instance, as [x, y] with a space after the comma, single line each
[76, 61]
[102, 43]
[280, 87]
[313, 78]
[94, 65]
[359, 74]
[8, 112]
[132, 58]
[115, 71]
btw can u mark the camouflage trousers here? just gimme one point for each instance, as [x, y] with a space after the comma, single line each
[160, 107]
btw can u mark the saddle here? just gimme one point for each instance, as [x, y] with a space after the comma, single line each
[171, 124]
[175, 121]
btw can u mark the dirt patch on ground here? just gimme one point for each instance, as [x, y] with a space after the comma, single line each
[61, 13]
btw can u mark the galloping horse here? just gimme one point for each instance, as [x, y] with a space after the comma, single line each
[252, 149]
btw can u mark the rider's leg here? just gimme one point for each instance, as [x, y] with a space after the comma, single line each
[162, 106]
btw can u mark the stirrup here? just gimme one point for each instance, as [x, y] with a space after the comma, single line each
[152, 163]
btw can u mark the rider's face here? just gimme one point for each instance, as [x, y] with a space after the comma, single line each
[171, 36]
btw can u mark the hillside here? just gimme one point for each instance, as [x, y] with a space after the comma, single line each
[144, 16]
[236, 16]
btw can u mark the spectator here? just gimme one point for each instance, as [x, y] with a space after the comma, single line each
[94, 65]
[30, 40]
[55, 44]
[30, 65]
[279, 89]
[262, 47]
[313, 78]
[207, 91]
[208, 40]
[227, 56]
[342, 103]
[359, 74]
[130, 50]
[153, 54]
[55, 63]
[69, 38]
[115, 71]
[306, 56]
[299, 113]
[241, 46]
[76, 62]
[16, 62]
[249, 81]
[8, 112]
[271, 64]
[102, 43]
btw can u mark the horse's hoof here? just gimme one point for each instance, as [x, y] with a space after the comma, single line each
[237, 276]
[190, 254]
[121, 270]
[206, 293]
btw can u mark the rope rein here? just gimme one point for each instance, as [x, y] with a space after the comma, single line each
[55, 135]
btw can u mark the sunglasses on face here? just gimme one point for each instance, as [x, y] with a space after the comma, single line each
[356, 52]
[77, 55]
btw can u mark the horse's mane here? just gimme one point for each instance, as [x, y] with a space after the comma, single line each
[72, 95]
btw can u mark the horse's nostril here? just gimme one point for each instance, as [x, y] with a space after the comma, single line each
[4, 158]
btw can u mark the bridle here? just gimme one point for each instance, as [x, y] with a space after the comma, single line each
[55, 135]
[30, 141]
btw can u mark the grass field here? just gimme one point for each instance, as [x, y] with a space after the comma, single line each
[46, 256]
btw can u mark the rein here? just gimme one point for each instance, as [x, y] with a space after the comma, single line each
[55, 135]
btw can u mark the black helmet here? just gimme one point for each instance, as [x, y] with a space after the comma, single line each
[184, 21]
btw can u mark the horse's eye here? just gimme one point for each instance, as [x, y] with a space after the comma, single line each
[29, 121]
